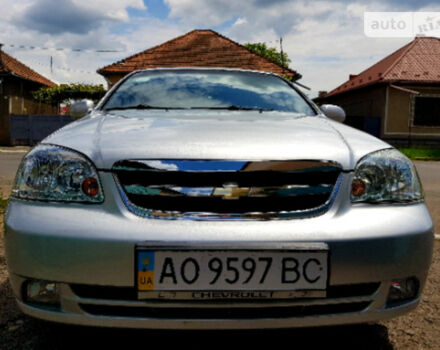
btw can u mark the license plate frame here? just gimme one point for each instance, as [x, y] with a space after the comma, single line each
[317, 256]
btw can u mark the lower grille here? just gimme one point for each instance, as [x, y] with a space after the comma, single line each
[130, 294]
[204, 190]
[223, 313]
[340, 299]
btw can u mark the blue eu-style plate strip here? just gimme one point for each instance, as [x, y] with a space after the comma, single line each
[145, 261]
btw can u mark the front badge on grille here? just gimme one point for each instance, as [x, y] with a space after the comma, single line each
[231, 191]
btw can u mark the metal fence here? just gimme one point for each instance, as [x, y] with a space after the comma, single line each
[30, 129]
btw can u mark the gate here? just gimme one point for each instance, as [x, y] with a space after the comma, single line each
[31, 129]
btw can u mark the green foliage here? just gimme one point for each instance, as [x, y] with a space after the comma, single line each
[270, 53]
[3, 204]
[65, 92]
[289, 78]
[421, 153]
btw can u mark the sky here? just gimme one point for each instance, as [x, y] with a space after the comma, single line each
[325, 40]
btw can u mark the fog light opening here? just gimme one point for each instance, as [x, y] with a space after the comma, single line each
[403, 291]
[42, 292]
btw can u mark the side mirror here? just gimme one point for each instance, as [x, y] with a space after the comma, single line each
[333, 112]
[80, 109]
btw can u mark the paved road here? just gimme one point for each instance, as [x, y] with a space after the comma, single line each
[429, 173]
[9, 162]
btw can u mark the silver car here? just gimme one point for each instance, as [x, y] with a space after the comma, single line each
[215, 199]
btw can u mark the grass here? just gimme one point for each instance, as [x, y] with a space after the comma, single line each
[421, 153]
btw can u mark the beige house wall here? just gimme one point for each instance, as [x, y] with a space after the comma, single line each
[400, 114]
[398, 109]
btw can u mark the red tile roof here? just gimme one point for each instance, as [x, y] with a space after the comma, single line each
[9, 64]
[416, 62]
[198, 48]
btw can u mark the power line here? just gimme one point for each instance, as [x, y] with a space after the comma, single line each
[272, 41]
[52, 67]
[44, 48]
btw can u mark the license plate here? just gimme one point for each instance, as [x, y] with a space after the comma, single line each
[231, 270]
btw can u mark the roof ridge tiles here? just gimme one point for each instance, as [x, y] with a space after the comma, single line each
[409, 46]
[171, 47]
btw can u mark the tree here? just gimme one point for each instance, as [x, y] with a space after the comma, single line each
[269, 53]
[54, 95]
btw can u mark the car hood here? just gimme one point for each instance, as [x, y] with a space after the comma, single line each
[241, 135]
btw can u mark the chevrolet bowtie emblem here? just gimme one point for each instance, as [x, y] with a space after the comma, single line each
[231, 192]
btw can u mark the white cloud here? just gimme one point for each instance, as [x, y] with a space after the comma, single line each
[240, 21]
[71, 16]
[324, 38]
[204, 13]
[80, 67]
[113, 9]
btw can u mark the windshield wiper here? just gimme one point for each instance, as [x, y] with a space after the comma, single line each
[235, 108]
[229, 108]
[139, 106]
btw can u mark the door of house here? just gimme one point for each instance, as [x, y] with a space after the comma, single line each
[4, 120]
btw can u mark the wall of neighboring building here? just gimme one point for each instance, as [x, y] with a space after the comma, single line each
[112, 79]
[16, 98]
[4, 120]
[364, 108]
[397, 115]
[401, 113]
[21, 99]
[391, 109]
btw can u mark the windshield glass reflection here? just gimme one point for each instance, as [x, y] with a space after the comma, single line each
[207, 89]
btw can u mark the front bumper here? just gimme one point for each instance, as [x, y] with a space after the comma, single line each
[94, 246]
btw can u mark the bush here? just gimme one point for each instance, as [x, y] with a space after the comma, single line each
[54, 95]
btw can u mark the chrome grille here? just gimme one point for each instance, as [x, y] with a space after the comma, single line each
[205, 190]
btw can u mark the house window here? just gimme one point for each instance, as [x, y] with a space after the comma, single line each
[427, 111]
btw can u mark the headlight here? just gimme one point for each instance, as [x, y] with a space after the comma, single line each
[386, 176]
[54, 173]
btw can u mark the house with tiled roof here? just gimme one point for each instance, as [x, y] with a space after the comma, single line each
[398, 98]
[17, 81]
[198, 48]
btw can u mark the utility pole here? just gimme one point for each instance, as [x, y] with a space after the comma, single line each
[51, 65]
[281, 52]
[1, 63]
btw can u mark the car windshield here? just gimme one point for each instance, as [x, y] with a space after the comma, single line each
[183, 89]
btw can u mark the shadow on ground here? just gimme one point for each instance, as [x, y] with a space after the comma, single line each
[20, 332]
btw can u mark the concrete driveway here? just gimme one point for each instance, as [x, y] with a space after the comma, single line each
[429, 173]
